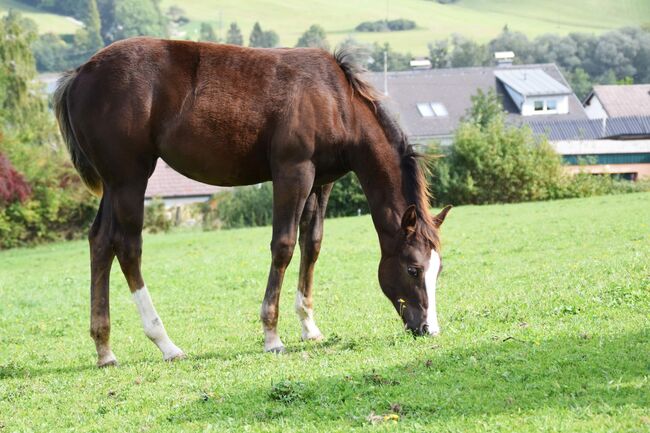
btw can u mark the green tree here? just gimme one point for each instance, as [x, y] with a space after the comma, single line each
[18, 102]
[207, 33]
[92, 30]
[314, 37]
[580, 83]
[396, 61]
[234, 36]
[465, 52]
[263, 39]
[486, 109]
[123, 19]
[439, 54]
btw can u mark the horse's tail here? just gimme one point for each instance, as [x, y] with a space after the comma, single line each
[86, 171]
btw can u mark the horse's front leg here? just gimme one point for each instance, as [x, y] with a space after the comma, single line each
[291, 187]
[311, 235]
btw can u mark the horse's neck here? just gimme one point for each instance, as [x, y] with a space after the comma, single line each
[379, 172]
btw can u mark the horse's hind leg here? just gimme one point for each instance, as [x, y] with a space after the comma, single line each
[291, 187]
[128, 214]
[311, 235]
[101, 259]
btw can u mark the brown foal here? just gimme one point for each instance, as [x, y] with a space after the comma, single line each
[228, 115]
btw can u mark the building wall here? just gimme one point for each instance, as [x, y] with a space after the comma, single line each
[595, 109]
[528, 107]
[642, 171]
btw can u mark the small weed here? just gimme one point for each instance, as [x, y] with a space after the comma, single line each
[288, 391]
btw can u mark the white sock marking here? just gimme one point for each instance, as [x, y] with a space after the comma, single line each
[306, 315]
[430, 280]
[153, 326]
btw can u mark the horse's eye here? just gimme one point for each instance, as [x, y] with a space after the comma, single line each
[413, 271]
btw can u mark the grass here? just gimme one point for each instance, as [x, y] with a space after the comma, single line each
[477, 19]
[544, 309]
[46, 22]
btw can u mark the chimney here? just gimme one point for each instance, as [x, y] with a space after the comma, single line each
[504, 58]
[420, 63]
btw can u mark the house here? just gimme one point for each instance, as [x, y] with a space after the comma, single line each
[618, 101]
[431, 103]
[175, 189]
[618, 146]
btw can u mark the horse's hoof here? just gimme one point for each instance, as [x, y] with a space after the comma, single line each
[313, 337]
[107, 361]
[175, 356]
[276, 350]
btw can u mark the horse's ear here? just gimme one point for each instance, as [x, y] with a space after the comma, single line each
[409, 220]
[440, 218]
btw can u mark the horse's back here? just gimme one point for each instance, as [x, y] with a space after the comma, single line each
[211, 111]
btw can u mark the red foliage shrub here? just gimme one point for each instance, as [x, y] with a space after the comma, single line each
[12, 184]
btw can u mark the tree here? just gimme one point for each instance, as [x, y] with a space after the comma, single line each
[485, 109]
[234, 35]
[314, 37]
[396, 61]
[123, 19]
[92, 31]
[207, 33]
[17, 70]
[263, 39]
[466, 52]
[439, 54]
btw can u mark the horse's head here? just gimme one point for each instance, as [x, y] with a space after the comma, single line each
[408, 276]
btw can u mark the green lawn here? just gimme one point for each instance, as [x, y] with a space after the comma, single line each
[478, 19]
[46, 22]
[544, 308]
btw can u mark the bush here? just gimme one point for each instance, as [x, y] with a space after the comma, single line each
[347, 198]
[13, 186]
[245, 206]
[386, 26]
[155, 217]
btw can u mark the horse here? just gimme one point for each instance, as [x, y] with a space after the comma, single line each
[228, 115]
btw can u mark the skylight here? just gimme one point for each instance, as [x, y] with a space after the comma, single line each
[432, 109]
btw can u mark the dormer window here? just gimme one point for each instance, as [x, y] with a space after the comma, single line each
[432, 109]
[539, 105]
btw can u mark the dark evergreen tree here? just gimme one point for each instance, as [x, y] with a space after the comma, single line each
[234, 35]
[314, 37]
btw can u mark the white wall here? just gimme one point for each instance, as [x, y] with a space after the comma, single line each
[528, 107]
[595, 109]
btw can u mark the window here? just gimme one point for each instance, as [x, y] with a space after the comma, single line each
[551, 105]
[439, 109]
[425, 109]
[432, 109]
[539, 105]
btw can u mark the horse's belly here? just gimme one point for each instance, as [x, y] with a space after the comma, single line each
[218, 163]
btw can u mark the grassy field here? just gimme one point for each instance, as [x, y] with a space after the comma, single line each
[544, 311]
[478, 19]
[46, 22]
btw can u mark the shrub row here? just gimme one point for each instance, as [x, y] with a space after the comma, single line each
[397, 25]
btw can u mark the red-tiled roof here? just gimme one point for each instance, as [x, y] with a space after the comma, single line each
[167, 182]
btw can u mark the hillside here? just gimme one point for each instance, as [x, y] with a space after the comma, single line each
[543, 307]
[478, 19]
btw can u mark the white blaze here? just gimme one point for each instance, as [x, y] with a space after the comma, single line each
[430, 280]
[153, 326]
[306, 315]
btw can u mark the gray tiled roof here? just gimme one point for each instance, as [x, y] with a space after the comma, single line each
[593, 129]
[454, 88]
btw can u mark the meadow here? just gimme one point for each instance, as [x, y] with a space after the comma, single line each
[481, 20]
[544, 309]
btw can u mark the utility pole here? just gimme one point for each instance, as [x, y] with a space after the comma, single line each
[386, 73]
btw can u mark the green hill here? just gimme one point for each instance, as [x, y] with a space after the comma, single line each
[478, 19]
[46, 22]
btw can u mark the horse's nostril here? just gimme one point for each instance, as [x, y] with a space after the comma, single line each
[425, 329]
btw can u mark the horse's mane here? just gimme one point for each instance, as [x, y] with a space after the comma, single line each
[413, 164]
